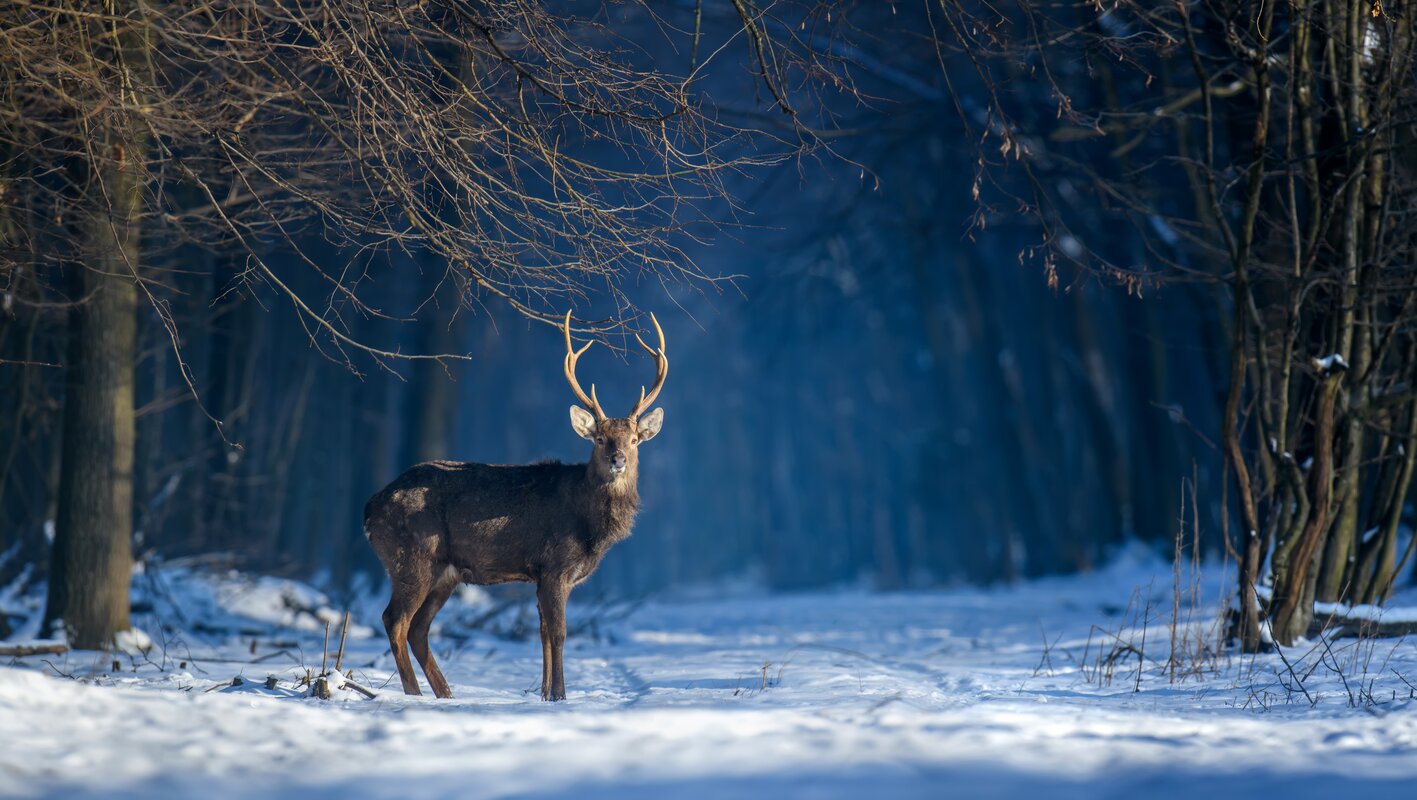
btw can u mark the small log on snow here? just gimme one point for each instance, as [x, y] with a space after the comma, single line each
[22, 650]
[1365, 628]
[206, 627]
[1363, 621]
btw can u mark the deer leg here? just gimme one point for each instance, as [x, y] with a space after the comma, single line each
[418, 635]
[551, 598]
[545, 650]
[408, 595]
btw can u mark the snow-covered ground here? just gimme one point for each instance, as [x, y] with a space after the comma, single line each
[841, 694]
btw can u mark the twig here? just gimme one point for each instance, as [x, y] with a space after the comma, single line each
[1047, 659]
[1352, 701]
[1145, 620]
[59, 671]
[339, 657]
[1294, 675]
[1411, 689]
[273, 654]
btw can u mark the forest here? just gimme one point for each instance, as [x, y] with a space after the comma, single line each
[958, 296]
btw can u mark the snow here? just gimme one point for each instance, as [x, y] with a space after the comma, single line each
[1338, 613]
[829, 694]
[133, 641]
[1329, 362]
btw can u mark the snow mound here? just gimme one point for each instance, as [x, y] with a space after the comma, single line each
[233, 601]
[132, 641]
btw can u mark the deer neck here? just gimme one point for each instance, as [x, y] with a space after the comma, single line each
[611, 503]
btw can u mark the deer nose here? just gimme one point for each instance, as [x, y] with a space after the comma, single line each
[617, 461]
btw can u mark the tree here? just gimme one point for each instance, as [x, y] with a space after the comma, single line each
[92, 557]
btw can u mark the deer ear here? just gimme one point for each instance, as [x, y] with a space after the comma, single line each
[650, 424]
[582, 423]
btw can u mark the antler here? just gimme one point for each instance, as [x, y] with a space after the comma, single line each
[572, 354]
[661, 370]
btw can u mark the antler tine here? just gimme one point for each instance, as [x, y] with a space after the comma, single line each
[660, 373]
[572, 354]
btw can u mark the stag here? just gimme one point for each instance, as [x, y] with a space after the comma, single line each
[442, 523]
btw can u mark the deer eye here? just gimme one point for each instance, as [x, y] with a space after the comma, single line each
[600, 440]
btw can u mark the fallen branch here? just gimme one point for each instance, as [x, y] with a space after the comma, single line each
[1341, 621]
[349, 684]
[236, 681]
[22, 650]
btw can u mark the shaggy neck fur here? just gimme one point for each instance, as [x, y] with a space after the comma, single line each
[611, 504]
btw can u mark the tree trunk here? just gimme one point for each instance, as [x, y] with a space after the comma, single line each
[92, 558]
[432, 400]
[1293, 607]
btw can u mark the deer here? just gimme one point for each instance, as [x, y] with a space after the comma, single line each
[445, 523]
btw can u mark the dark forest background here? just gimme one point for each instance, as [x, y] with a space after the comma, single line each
[918, 358]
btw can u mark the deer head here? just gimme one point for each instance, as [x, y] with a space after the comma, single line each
[616, 441]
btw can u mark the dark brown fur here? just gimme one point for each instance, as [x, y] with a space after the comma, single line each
[446, 522]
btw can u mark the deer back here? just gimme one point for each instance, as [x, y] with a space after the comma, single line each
[494, 523]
